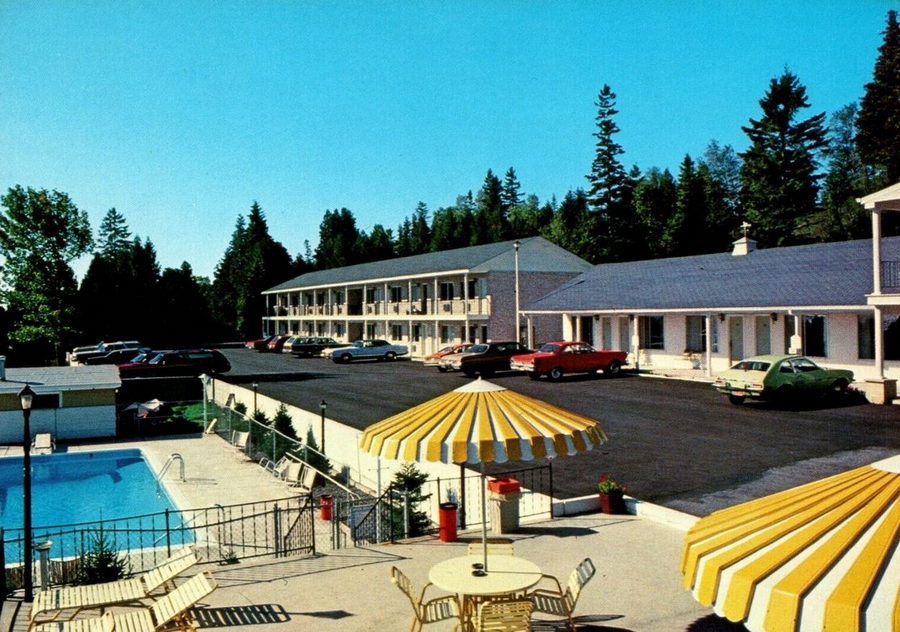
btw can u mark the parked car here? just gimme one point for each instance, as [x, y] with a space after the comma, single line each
[276, 344]
[312, 346]
[83, 354]
[178, 363]
[286, 346]
[119, 356]
[367, 349]
[555, 359]
[434, 359]
[780, 377]
[260, 344]
[484, 359]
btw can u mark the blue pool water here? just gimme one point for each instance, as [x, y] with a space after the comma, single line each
[80, 487]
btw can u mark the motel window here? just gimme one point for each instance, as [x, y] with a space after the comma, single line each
[396, 293]
[337, 297]
[865, 336]
[371, 294]
[370, 330]
[695, 341]
[651, 332]
[814, 341]
[396, 332]
[446, 334]
[45, 400]
[417, 333]
[446, 291]
[338, 330]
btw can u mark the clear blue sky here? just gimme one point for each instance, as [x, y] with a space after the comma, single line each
[181, 114]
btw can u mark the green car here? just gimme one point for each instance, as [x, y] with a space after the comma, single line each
[779, 377]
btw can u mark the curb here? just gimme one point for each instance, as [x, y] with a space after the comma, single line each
[656, 513]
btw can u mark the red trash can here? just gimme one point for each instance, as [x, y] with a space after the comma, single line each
[325, 503]
[447, 522]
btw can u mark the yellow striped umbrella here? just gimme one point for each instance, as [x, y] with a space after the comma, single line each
[822, 556]
[481, 422]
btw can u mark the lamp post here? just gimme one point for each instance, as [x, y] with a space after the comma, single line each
[26, 397]
[322, 406]
[255, 388]
[204, 381]
[516, 245]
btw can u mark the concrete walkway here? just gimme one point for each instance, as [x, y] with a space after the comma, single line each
[637, 586]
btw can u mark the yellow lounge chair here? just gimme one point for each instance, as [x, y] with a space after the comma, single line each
[123, 591]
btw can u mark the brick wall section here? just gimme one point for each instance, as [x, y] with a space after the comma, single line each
[532, 286]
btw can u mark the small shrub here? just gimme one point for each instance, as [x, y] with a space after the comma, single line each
[101, 563]
[240, 407]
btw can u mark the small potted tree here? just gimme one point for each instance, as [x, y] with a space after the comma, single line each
[611, 495]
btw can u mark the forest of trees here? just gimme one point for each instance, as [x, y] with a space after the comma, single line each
[796, 182]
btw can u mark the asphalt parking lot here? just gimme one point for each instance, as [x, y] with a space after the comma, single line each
[673, 442]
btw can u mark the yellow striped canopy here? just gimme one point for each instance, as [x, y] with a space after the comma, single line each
[822, 556]
[481, 422]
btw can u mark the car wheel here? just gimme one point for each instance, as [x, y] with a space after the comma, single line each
[784, 394]
[534, 375]
[390, 355]
[555, 374]
[443, 369]
[737, 400]
[345, 358]
[837, 388]
[613, 369]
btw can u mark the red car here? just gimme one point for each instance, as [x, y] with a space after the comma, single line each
[261, 344]
[183, 362]
[555, 359]
[276, 343]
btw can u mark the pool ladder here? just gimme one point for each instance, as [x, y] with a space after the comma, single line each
[175, 456]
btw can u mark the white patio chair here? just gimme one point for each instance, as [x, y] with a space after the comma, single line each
[562, 603]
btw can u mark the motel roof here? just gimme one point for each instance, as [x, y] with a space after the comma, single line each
[52, 379]
[536, 254]
[836, 275]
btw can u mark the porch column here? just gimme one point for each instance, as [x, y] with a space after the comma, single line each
[529, 328]
[709, 343]
[636, 342]
[797, 338]
[876, 251]
[466, 297]
[879, 342]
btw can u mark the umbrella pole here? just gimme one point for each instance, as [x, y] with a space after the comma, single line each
[483, 520]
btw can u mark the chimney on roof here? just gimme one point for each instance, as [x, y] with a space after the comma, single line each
[744, 245]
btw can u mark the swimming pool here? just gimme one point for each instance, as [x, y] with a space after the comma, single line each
[81, 487]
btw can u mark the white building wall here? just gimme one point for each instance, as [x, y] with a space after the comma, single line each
[83, 422]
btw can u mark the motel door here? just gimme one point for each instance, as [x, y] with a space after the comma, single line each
[763, 335]
[735, 339]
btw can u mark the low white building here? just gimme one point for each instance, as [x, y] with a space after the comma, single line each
[705, 312]
[69, 403]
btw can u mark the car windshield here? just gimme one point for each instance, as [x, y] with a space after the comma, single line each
[156, 359]
[477, 349]
[549, 348]
[751, 365]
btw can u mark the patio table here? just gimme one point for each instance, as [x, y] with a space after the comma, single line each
[506, 575]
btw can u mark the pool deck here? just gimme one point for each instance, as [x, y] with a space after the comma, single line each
[637, 587]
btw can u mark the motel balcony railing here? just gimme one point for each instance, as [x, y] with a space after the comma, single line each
[890, 276]
[402, 309]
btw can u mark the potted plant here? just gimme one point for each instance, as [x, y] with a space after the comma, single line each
[611, 495]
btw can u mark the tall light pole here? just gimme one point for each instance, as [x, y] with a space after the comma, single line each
[518, 334]
[26, 397]
[322, 406]
[255, 388]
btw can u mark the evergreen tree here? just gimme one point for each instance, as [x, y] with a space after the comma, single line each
[114, 238]
[338, 237]
[878, 135]
[253, 262]
[687, 225]
[185, 317]
[509, 195]
[420, 231]
[847, 178]
[445, 232]
[376, 246]
[573, 226]
[724, 167]
[608, 195]
[653, 201]
[780, 189]
[525, 218]
[490, 216]
[721, 219]
[41, 233]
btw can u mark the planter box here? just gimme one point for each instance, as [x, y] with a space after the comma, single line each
[612, 503]
[504, 485]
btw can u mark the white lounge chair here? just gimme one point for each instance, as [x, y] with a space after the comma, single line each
[239, 441]
[123, 591]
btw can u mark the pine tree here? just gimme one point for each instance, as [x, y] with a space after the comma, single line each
[573, 226]
[114, 238]
[653, 202]
[490, 215]
[878, 135]
[687, 225]
[509, 195]
[420, 231]
[847, 178]
[780, 189]
[610, 187]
